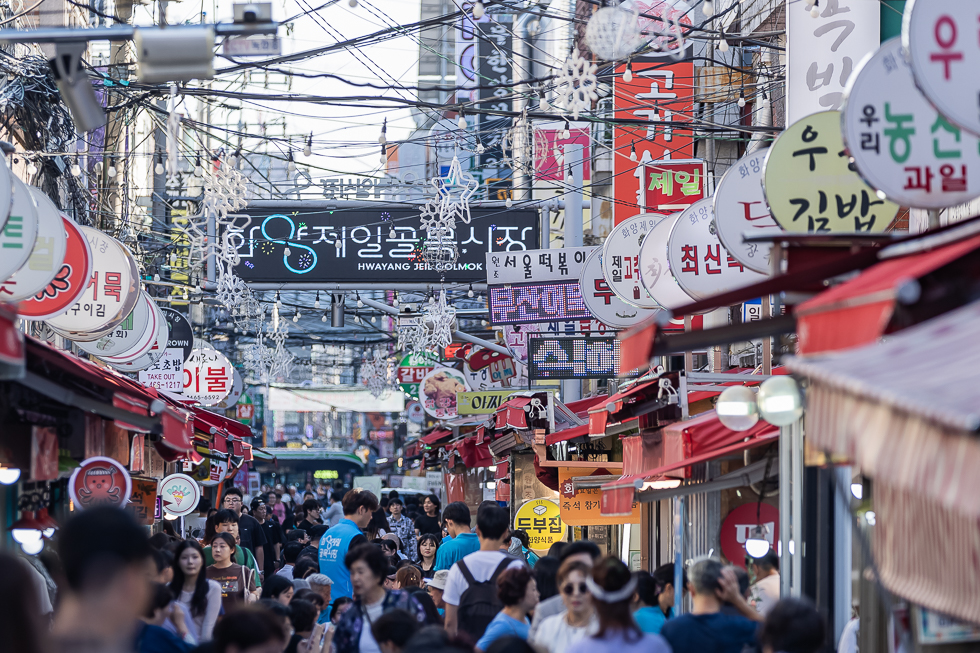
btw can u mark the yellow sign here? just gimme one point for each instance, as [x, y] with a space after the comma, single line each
[582, 508]
[481, 403]
[541, 520]
[325, 474]
[811, 186]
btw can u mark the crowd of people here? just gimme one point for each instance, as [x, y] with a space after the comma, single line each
[356, 576]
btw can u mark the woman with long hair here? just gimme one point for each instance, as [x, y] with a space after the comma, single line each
[612, 587]
[428, 547]
[558, 632]
[198, 597]
[430, 522]
[237, 582]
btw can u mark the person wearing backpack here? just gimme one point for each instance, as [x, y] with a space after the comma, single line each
[471, 589]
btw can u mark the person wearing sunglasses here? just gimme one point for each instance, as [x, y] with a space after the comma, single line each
[558, 632]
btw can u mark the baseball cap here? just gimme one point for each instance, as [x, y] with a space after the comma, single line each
[439, 580]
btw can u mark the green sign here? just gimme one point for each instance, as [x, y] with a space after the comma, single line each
[245, 410]
[412, 369]
[483, 402]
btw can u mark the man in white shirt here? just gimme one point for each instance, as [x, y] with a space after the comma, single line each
[492, 527]
[764, 593]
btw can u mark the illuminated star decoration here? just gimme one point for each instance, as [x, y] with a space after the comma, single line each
[440, 318]
[454, 192]
[379, 374]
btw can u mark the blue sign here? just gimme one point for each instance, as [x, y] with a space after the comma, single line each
[576, 357]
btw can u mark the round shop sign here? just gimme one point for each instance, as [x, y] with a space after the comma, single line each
[698, 260]
[411, 370]
[438, 389]
[415, 412]
[181, 334]
[99, 481]
[68, 283]
[155, 352]
[211, 472]
[541, 520]
[179, 494]
[900, 144]
[237, 386]
[110, 295]
[46, 258]
[740, 207]
[939, 38]
[605, 305]
[811, 186]
[19, 233]
[621, 259]
[208, 376]
[655, 270]
[6, 191]
[740, 522]
[135, 334]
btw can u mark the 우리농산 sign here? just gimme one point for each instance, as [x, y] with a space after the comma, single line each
[481, 403]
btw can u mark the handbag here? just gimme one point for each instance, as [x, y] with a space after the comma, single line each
[249, 597]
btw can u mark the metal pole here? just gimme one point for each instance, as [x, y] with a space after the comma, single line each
[785, 485]
[575, 158]
[842, 550]
[796, 433]
[679, 518]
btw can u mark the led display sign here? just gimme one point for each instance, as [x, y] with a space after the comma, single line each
[536, 302]
[573, 357]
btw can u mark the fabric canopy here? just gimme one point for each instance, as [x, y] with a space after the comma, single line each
[511, 413]
[435, 436]
[599, 413]
[566, 434]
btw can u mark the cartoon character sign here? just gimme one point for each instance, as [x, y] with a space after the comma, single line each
[100, 481]
[438, 389]
[180, 494]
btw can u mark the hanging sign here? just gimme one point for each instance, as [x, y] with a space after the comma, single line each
[415, 412]
[536, 265]
[536, 302]
[99, 481]
[582, 507]
[572, 358]
[550, 147]
[900, 144]
[673, 185]
[143, 500]
[655, 269]
[110, 295]
[211, 472]
[940, 42]
[740, 206]
[68, 283]
[208, 376]
[484, 402]
[438, 389]
[517, 335]
[412, 369]
[46, 258]
[605, 305]
[541, 520]
[154, 354]
[737, 526]
[237, 386]
[698, 260]
[811, 187]
[181, 334]
[180, 494]
[136, 334]
[19, 233]
[245, 410]
[621, 259]
[167, 373]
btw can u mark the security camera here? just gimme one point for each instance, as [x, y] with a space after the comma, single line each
[175, 54]
[253, 12]
[75, 87]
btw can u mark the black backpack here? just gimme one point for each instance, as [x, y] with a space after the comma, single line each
[479, 604]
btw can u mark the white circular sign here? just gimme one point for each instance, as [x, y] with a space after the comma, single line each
[416, 415]
[46, 258]
[6, 191]
[111, 293]
[939, 38]
[179, 494]
[621, 259]
[237, 387]
[655, 270]
[208, 376]
[437, 392]
[137, 331]
[740, 206]
[699, 261]
[19, 233]
[154, 354]
[212, 472]
[900, 144]
[605, 305]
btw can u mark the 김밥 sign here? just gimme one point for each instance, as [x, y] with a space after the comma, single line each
[901, 145]
[673, 185]
[699, 262]
[573, 357]
[536, 302]
[811, 187]
[621, 259]
[536, 265]
[285, 244]
[602, 302]
[740, 206]
[940, 41]
[134, 334]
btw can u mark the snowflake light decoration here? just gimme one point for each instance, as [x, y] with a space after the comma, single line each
[577, 86]
[379, 374]
[613, 33]
[440, 318]
[454, 192]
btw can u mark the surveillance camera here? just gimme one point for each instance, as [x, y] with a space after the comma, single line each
[253, 12]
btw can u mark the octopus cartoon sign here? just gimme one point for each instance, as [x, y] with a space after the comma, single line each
[180, 494]
[438, 389]
[100, 481]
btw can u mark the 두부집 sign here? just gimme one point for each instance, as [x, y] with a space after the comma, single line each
[536, 302]
[541, 520]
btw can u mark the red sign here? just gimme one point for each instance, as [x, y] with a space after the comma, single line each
[245, 412]
[412, 374]
[549, 140]
[739, 524]
[70, 282]
[663, 96]
[100, 481]
[673, 185]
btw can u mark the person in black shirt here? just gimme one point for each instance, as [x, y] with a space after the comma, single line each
[429, 522]
[312, 509]
[273, 536]
[249, 531]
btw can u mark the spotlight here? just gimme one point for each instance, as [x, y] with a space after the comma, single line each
[779, 400]
[736, 408]
[75, 87]
[337, 310]
[756, 545]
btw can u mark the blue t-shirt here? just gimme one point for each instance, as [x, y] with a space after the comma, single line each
[503, 626]
[456, 549]
[651, 619]
[334, 545]
[154, 639]
[701, 633]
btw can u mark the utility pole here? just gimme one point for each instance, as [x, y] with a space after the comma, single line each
[571, 389]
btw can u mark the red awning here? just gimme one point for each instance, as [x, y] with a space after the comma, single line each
[566, 434]
[473, 454]
[503, 470]
[12, 350]
[413, 449]
[435, 436]
[599, 413]
[205, 420]
[858, 312]
[511, 413]
[582, 406]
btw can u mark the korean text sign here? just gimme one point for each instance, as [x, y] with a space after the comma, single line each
[674, 185]
[574, 357]
[582, 507]
[535, 302]
[536, 265]
[541, 520]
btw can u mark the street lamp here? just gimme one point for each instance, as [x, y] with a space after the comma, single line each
[737, 408]
[780, 401]
[756, 545]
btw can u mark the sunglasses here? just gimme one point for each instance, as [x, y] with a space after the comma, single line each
[570, 589]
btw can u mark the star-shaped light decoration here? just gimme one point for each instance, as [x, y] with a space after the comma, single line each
[455, 191]
[440, 318]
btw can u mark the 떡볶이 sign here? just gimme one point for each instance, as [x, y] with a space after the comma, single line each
[901, 145]
[572, 357]
[357, 246]
[740, 206]
[541, 520]
[481, 403]
[811, 187]
[536, 302]
[674, 185]
[536, 265]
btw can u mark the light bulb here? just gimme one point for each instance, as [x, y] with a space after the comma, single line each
[461, 123]
[633, 154]
[857, 489]
[741, 102]
[9, 475]
[780, 402]
[374, 318]
[815, 12]
[480, 149]
[736, 408]
[708, 8]
[32, 548]
[566, 133]
[382, 139]
[723, 46]
[478, 10]
[544, 105]
[323, 318]
[394, 302]
[509, 202]
[25, 535]
[392, 234]
[383, 159]
[199, 170]
[360, 304]
[628, 74]
[159, 169]
[32, 169]
[76, 170]
[432, 299]
[756, 545]
[308, 148]
[112, 171]
[352, 3]
[470, 293]
[316, 302]
[287, 251]
[338, 243]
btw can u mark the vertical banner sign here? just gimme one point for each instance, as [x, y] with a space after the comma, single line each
[673, 185]
[822, 52]
[496, 69]
[663, 95]
[549, 149]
